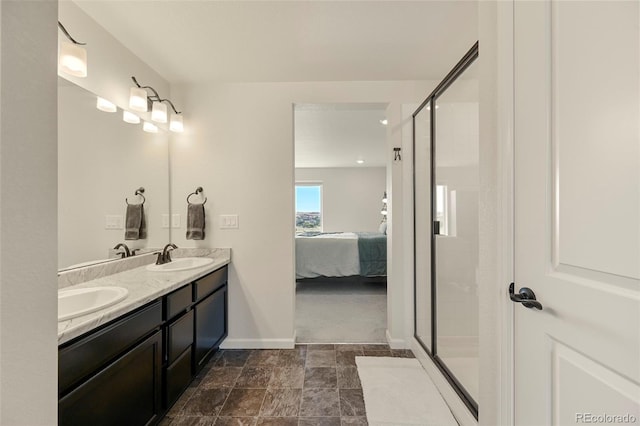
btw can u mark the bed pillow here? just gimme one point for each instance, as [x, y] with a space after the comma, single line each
[383, 228]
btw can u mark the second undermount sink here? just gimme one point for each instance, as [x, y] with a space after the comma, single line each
[83, 301]
[181, 264]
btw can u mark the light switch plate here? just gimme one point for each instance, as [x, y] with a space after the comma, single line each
[165, 221]
[175, 220]
[114, 221]
[229, 221]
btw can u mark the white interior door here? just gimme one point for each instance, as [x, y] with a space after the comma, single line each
[577, 211]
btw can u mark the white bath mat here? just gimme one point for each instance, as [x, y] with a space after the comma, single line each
[397, 391]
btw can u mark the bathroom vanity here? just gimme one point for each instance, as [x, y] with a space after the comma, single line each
[131, 368]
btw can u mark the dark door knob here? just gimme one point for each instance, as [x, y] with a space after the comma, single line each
[526, 296]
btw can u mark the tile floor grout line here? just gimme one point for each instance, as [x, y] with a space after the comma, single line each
[304, 376]
[230, 390]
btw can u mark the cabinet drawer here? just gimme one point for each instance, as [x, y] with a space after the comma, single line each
[178, 377]
[85, 356]
[178, 301]
[208, 284]
[126, 392]
[179, 336]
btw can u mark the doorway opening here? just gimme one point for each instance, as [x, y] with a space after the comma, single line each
[340, 221]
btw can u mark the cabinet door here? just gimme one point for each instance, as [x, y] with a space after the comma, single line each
[126, 392]
[211, 324]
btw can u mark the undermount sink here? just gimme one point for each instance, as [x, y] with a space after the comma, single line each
[83, 301]
[181, 264]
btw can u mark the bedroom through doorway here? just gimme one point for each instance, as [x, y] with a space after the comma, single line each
[340, 223]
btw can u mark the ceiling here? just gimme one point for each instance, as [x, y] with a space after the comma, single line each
[313, 40]
[338, 135]
[190, 41]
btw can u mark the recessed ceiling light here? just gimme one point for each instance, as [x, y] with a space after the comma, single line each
[384, 122]
[360, 161]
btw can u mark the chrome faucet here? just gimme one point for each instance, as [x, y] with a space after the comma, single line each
[165, 256]
[125, 253]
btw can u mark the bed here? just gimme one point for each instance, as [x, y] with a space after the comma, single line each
[341, 254]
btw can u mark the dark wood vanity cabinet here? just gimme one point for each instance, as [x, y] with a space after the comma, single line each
[133, 369]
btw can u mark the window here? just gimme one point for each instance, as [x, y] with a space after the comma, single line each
[308, 207]
[442, 209]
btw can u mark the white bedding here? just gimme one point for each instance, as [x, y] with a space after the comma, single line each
[329, 255]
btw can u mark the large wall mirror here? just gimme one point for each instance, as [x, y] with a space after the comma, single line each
[102, 161]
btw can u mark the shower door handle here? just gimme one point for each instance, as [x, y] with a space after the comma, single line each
[526, 296]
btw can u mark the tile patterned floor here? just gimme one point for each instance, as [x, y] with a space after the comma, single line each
[311, 385]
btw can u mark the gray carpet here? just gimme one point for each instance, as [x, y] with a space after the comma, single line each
[341, 312]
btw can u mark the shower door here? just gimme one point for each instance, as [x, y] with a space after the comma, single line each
[447, 231]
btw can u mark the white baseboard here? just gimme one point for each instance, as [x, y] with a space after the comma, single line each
[395, 343]
[259, 343]
[457, 407]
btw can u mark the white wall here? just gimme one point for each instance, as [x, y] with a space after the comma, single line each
[351, 196]
[239, 147]
[101, 161]
[28, 181]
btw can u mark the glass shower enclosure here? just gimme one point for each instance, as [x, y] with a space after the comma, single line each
[447, 226]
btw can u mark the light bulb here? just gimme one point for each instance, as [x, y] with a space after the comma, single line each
[130, 117]
[159, 112]
[176, 124]
[138, 99]
[149, 127]
[104, 105]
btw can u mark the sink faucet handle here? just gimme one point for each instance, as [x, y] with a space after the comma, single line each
[125, 252]
[160, 259]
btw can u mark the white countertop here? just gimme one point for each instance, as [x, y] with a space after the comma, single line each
[143, 286]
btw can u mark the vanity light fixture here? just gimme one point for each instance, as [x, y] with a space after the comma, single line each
[140, 100]
[384, 198]
[104, 105]
[176, 124]
[72, 57]
[149, 127]
[159, 112]
[130, 117]
[360, 161]
[383, 212]
[384, 122]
